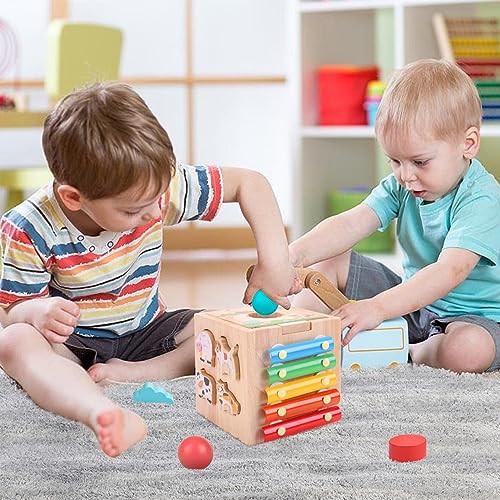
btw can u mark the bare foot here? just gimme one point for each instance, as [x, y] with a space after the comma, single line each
[118, 429]
[114, 370]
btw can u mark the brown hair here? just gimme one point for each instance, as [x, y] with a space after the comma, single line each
[429, 98]
[103, 140]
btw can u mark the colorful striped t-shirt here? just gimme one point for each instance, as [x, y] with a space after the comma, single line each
[113, 277]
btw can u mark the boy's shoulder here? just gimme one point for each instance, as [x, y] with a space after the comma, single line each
[195, 193]
[478, 186]
[478, 173]
[390, 183]
[37, 216]
[198, 175]
[390, 189]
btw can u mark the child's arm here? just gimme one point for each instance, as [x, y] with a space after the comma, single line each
[334, 236]
[273, 272]
[423, 288]
[24, 299]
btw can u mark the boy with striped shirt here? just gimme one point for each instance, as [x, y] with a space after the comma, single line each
[81, 259]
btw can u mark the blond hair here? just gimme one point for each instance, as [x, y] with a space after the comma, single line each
[430, 98]
[103, 140]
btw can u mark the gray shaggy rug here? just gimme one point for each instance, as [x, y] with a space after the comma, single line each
[44, 456]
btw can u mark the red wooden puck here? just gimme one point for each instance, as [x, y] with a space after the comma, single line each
[407, 447]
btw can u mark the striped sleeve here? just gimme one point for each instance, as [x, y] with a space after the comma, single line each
[23, 273]
[195, 193]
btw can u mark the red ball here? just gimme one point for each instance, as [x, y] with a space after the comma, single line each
[195, 452]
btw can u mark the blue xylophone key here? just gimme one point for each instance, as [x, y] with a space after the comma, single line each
[297, 350]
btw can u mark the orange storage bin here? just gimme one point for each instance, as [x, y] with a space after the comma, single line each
[342, 92]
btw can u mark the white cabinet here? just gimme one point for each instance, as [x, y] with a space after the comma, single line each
[388, 33]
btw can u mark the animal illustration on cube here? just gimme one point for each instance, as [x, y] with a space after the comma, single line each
[227, 359]
[205, 347]
[205, 386]
[286, 376]
[226, 399]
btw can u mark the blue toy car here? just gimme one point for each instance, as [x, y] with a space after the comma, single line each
[384, 346]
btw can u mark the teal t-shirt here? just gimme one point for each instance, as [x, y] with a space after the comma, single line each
[468, 217]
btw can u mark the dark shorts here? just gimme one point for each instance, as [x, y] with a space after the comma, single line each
[368, 277]
[153, 340]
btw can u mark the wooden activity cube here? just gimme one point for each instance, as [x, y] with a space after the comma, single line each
[263, 378]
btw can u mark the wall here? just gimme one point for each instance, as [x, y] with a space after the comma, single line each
[235, 124]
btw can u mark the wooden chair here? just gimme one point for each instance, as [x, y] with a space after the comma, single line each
[78, 54]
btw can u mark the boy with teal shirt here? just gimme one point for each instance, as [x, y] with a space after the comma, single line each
[448, 211]
[460, 219]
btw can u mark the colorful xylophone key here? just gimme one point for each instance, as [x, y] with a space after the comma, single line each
[300, 424]
[300, 368]
[300, 386]
[297, 350]
[302, 405]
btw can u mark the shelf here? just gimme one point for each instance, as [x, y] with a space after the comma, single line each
[22, 119]
[339, 5]
[341, 132]
[365, 132]
[437, 3]
[490, 130]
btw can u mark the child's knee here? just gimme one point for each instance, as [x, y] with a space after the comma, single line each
[336, 269]
[466, 348]
[12, 340]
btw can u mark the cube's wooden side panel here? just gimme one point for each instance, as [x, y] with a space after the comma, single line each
[233, 399]
[232, 409]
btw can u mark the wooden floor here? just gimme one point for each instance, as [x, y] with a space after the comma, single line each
[216, 279]
[205, 280]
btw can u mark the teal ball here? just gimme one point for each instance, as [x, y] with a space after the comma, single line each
[262, 304]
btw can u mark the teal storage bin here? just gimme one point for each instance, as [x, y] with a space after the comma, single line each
[378, 242]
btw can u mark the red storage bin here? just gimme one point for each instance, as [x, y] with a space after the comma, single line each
[342, 92]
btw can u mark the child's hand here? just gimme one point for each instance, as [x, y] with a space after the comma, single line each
[55, 318]
[359, 316]
[284, 281]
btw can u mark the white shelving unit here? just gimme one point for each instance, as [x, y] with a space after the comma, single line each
[389, 33]
[336, 5]
[362, 131]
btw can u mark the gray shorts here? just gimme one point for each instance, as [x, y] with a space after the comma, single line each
[149, 342]
[367, 278]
